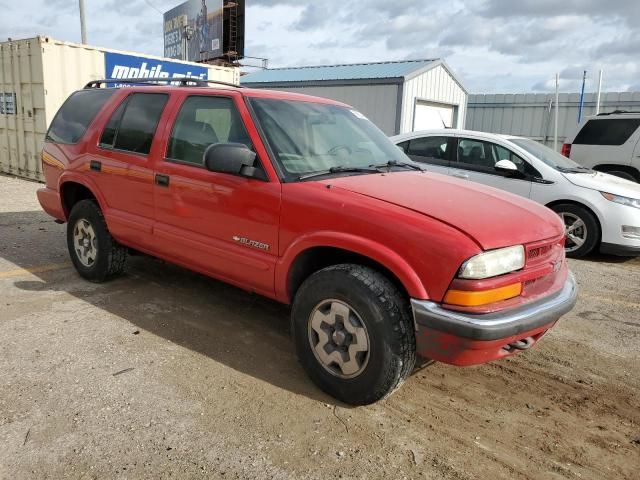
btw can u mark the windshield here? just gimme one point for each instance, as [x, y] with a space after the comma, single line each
[309, 138]
[547, 155]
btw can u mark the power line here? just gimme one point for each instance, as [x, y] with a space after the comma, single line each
[153, 6]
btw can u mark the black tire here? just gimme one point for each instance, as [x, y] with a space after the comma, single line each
[110, 256]
[593, 232]
[385, 313]
[625, 175]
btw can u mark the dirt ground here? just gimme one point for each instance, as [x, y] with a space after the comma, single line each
[163, 373]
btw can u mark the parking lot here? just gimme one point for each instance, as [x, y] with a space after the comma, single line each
[165, 373]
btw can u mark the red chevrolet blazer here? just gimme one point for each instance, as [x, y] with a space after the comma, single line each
[305, 201]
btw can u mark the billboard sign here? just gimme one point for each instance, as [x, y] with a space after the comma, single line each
[122, 66]
[193, 31]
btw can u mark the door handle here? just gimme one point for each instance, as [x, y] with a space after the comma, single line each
[95, 165]
[460, 175]
[162, 180]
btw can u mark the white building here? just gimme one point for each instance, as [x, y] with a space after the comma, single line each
[398, 97]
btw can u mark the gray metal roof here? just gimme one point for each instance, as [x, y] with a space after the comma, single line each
[356, 71]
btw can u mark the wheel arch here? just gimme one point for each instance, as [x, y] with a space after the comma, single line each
[73, 189]
[307, 257]
[581, 205]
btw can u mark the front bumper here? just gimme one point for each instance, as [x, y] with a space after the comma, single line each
[466, 339]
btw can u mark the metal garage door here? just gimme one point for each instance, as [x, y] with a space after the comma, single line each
[431, 115]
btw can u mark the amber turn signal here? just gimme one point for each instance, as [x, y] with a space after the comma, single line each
[483, 297]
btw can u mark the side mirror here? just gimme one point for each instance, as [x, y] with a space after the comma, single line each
[506, 166]
[231, 158]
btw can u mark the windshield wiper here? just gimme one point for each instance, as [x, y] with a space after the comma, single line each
[339, 169]
[578, 169]
[395, 163]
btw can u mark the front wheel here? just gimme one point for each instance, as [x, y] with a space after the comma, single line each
[581, 228]
[353, 333]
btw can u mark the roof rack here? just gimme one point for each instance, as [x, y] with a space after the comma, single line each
[616, 112]
[182, 82]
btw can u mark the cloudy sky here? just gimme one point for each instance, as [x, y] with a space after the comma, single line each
[493, 45]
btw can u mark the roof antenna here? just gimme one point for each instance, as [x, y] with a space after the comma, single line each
[444, 125]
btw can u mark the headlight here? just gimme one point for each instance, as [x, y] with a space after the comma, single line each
[630, 202]
[493, 263]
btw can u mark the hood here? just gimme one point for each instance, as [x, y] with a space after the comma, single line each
[491, 217]
[603, 182]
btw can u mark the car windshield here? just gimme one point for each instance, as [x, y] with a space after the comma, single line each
[311, 139]
[548, 155]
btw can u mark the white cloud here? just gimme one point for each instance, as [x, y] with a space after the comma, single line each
[494, 45]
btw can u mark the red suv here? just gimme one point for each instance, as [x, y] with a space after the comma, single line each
[305, 201]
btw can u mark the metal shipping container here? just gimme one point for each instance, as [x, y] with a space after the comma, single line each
[38, 74]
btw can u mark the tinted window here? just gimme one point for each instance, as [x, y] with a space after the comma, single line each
[404, 146]
[501, 153]
[139, 121]
[203, 121]
[610, 131]
[429, 149]
[482, 157]
[75, 115]
[109, 133]
[476, 154]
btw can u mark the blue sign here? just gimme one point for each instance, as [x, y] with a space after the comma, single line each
[123, 67]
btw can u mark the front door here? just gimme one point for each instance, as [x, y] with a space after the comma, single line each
[223, 225]
[476, 159]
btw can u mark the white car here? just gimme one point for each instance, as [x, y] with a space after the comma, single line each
[609, 142]
[600, 211]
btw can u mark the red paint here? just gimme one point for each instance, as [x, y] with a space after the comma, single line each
[463, 352]
[419, 226]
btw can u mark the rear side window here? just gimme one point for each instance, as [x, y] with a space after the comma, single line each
[75, 115]
[611, 131]
[132, 126]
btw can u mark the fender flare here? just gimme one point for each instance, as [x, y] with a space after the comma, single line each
[74, 177]
[383, 255]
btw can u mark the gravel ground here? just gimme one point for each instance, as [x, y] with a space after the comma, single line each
[163, 373]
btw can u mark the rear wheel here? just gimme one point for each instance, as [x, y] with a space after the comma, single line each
[581, 229]
[94, 252]
[353, 333]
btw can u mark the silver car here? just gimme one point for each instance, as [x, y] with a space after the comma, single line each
[600, 211]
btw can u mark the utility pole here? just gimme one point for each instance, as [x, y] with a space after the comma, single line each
[599, 92]
[83, 26]
[584, 81]
[555, 127]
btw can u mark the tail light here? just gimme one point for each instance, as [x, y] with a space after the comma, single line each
[566, 150]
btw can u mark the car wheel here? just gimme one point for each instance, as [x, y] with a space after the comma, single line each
[625, 175]
[354, 333]
[581, 228]
[94, 253]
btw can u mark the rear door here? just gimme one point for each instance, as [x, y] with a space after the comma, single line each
[606, 141]
[475, 161]
[434, 151]
[121, 163]
[221, 224]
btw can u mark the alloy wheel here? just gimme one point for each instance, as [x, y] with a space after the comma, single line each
[339, 338]
[85, 242]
